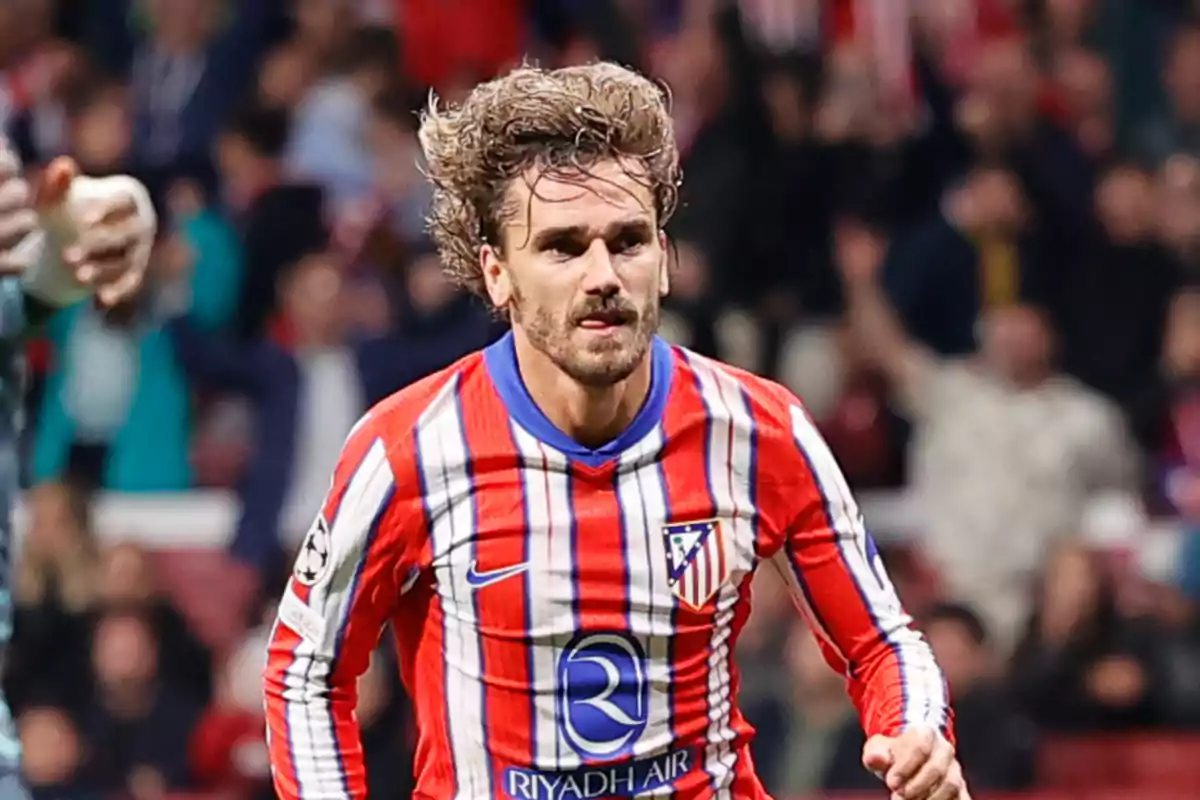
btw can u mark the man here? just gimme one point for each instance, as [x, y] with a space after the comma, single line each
[562, 528]
[70, 237]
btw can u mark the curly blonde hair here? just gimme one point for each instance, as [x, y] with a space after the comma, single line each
[558, 121]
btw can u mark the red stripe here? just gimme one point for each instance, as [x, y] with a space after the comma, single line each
[602, 574]
[502, 606]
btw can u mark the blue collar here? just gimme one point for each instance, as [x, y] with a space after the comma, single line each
[501, 360]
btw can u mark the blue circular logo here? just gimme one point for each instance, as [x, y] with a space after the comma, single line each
[602, 694]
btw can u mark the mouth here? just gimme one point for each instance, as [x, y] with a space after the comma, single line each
[607, 319]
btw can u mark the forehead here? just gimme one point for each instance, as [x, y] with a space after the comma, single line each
[604, 193]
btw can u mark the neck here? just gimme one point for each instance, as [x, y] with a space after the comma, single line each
[592, 416]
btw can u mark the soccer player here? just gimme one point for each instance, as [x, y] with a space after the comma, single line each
[59, 242]
[561, 529]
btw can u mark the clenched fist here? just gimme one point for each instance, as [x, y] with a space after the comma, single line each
[919, 764]
[71, 235]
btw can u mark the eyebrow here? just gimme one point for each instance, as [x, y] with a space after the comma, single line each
[548, 236]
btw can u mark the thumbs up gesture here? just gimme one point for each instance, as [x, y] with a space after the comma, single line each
[70, 236]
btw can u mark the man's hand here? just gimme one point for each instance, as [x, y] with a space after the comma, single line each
[918, 764]
[100, 232]
[17, 217]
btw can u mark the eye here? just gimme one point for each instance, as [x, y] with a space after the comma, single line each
[563, 249]
[627, 243]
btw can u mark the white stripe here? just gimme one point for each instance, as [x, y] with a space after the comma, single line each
[310, 726]
[922, 680]
[443, 458]
[550, 590]
[730, 450]
[642, 497]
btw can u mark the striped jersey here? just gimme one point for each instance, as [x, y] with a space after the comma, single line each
[565, 617]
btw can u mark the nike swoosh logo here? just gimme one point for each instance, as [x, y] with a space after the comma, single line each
[479, 580]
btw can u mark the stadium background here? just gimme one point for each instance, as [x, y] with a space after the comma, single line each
[970, 157]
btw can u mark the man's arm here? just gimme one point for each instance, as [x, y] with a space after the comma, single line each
[836, 576]
[838, 581]
[342, 591]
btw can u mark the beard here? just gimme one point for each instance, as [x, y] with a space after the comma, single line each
[596, 362]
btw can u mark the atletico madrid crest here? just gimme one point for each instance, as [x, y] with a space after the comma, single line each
[696, 561]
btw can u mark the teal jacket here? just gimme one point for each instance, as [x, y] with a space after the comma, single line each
[151, 450]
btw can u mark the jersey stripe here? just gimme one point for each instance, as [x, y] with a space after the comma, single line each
[508, 713]
[449, 497]
[641, 497]
[729, 458]
[311, 734]
[548, 587]
[924, 700]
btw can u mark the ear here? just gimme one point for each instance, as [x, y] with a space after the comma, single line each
[664, 268]
[495, 276]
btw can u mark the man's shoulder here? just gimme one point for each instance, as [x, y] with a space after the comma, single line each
[774, 411]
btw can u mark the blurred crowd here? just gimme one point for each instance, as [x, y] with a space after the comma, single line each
[965, 232]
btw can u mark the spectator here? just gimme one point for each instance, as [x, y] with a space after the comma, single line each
[187, 72]
[127, 586]
[56, 592]
[1081, 666]
[1125, 267]
[280, 222]
[972, 256]
[138, 724]
[116, 412]
[331, 122]
[228, 749]
[1178, 129]
[1004, 447]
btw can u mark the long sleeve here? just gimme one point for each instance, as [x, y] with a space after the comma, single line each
[341, 594]
[836, 577]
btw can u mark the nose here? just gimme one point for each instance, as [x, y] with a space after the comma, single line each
[600, 275]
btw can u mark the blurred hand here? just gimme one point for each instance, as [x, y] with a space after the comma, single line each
[919, 764]
[17, 217]
[107, 225]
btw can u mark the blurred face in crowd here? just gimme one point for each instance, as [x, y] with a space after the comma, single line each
[428, 288]
[310, 300]
[124, 657]
[784, 99]
[582, 270]
[990, 202]
[1017, 345]
[101, 133]
[51, 750]
[1181, 350]
[1125, 205]
[962, 660]
[1177, 203]
[1183, 77]
[323, 24]
[1068, 20]
[1005, 85]
[286, 75]
[1086, 84]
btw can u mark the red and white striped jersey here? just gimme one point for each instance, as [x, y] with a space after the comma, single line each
[565, 617]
